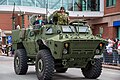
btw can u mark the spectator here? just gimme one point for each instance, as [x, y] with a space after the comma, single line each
[109, 47]
[39, 22]
[115, 52]
[118, 45]
[109, 55]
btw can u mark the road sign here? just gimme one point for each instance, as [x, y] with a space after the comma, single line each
[9, 39]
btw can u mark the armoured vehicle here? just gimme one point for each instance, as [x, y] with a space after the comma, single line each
[55, 47]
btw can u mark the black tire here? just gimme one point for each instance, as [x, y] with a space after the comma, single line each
[93, 71]
[20, 62]
[61, 70]
[44, 65]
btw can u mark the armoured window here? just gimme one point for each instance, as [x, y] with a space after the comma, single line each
[82, 28]
[49, 30]
[68, 29]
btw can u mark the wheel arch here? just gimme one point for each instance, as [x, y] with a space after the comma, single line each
[42, 45]
[20, 46]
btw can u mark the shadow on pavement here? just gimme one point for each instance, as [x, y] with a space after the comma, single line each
[58, 76]
[61, 76]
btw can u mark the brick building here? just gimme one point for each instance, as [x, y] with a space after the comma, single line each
[6, 25]
[110, 22]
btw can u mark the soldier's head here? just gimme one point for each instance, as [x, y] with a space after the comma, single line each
[40, 17]
[62, 9]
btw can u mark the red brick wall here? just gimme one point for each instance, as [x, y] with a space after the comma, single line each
[112, 9]
[26, 21]
[19, 21]
[108, 32]
[5, 21]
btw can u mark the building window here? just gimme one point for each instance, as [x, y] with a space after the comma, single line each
[110, 3]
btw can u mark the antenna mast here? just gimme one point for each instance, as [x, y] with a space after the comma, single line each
[46, 11]
[13, 18]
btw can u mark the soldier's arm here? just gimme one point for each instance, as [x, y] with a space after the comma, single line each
[68, 16]
[55, 17]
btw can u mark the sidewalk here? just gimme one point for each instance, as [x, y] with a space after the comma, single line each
[111, 66]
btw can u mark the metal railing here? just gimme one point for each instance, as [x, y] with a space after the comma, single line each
[111, 58]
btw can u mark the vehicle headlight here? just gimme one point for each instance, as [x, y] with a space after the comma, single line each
[97, 51]
[66, 48]
[65, 51]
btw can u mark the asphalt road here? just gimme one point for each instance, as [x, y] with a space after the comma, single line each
[7, 73]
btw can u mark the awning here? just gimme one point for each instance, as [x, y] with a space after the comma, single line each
[5, 33]
[116, 23]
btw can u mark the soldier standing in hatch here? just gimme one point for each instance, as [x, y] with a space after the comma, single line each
[39, 22]
[61, 17]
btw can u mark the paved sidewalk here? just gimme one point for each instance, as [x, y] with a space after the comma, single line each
[111, 66]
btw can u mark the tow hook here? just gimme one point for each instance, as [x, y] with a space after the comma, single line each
[64, 62]
[93, 62]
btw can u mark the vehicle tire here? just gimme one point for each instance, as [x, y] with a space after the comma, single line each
[93, 71]
[20, 62]
[61, 70]
[44, 65]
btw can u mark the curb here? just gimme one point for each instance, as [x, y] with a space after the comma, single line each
[111, 67]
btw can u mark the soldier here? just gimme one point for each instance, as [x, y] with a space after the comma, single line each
[39, 22]
[60, 17]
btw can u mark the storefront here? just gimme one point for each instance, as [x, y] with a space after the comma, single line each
[117, 25]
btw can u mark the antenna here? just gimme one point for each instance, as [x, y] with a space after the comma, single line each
[46, 12]
[13, 17]
[78, 23]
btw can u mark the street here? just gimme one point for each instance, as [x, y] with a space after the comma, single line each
[7, 73]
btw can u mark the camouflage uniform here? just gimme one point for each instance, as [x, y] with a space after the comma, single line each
[61, 18]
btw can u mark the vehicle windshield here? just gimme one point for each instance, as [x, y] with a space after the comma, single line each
[82, 28]
[76, 28]
[68, 29]
[49, 30]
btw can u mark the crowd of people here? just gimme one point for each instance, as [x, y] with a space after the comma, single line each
[7, 50]
[111, 55]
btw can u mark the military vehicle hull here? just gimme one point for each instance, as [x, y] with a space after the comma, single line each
[57, 47]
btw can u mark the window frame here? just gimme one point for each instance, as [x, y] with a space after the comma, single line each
[110, 3]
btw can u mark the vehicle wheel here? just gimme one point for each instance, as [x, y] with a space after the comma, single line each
[93, 71]
[20, 62]
[61, 70]
[44, 65]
